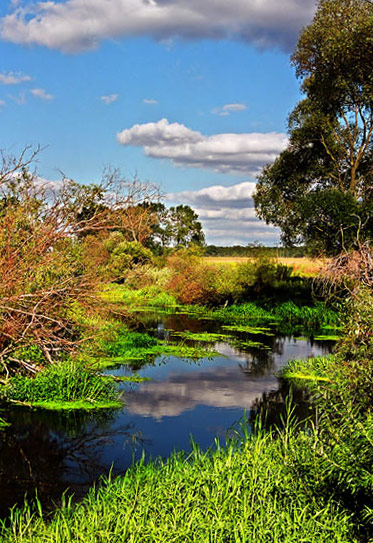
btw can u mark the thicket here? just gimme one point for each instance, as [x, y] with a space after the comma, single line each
[263, 279]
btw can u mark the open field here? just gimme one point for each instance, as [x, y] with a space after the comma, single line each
[303, 265]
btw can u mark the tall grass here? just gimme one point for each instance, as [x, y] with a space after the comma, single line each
[67, 381]
[243, 492]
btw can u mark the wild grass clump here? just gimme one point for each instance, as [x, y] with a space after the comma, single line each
[150, 296]
[286, 317]
[125, 342]
[62, 382]
[315, 317]
[246, 491]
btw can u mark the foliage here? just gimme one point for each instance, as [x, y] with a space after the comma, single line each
[62, 383]
[319, 190]
[189, 281]
[52, 257]
[193, 281]
[174, 227]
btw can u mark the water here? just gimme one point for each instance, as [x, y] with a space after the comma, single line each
[52, 452]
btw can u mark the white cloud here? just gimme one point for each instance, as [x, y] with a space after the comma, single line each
[228, 109]
[216, 196]
[20, 99]
[13, 78]
[241, 154]
[76, 25]
[110, 98]
[150, 101]
[2, 103]
[227, 214]
[42, 94]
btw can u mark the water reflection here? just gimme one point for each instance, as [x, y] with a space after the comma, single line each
[49, 452]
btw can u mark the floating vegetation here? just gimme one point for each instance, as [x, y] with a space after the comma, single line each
[327, 337]
[312, 369]
[202, 336]
[86, 405]
[304, 376]
[251, 344]
[135, 378]
[249, 329]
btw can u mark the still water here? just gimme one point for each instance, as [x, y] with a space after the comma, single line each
[51, 452]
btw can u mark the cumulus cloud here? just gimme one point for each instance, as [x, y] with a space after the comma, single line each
[227, 214]
[13, 78]
[109, 98]
[2, 103]
[226, 153]
[42, 94]
[150, 101]
[76, 25]
[228, 109]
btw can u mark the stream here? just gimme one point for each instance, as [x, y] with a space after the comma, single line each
[53, 452]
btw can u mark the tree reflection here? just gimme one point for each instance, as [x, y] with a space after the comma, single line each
[47, 453]
[271, 408]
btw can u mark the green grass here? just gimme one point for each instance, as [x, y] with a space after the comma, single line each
[151, 296]
[246, 491]
[3, 424]
[64, 385]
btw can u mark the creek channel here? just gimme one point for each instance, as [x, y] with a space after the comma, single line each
[53, 452]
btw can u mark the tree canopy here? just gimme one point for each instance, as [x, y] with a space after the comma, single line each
[319, 191]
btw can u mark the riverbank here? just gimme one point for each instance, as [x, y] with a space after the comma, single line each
[286, 484]
[246, 491]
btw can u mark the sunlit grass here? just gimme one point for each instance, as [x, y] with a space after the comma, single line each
[64, 385]
[303, 266]
[244, 492]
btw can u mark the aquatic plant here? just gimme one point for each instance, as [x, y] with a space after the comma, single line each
[63, 385]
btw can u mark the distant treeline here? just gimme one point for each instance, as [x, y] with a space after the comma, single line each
[254, 250]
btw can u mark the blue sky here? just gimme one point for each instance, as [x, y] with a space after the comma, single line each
[190, 95]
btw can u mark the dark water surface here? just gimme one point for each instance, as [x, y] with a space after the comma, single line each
[51, 452]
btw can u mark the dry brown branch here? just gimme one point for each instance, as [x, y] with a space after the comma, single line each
[348, 272]
[45, 270]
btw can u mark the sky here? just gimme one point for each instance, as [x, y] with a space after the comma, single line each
[192, 95]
